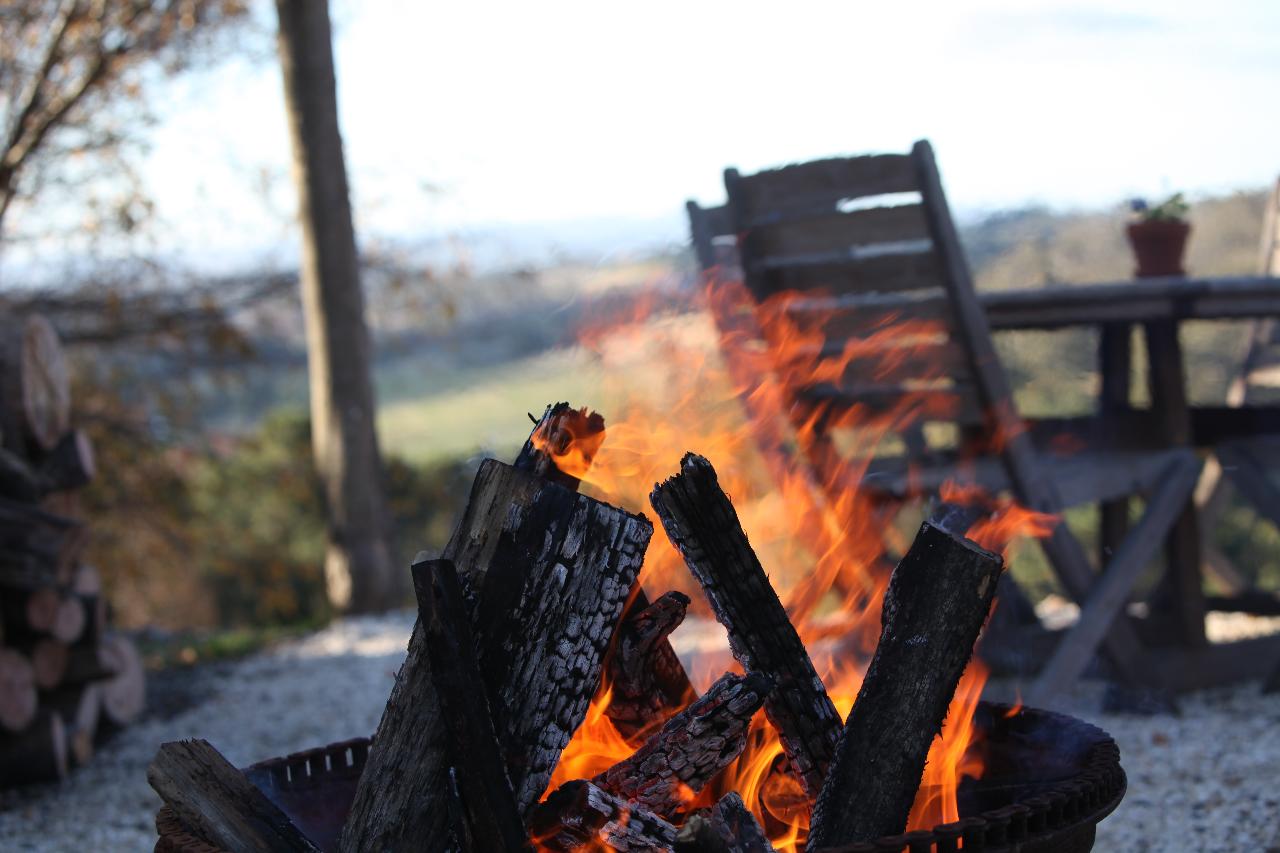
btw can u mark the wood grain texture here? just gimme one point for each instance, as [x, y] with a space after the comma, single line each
[701, 522]
[215, 800]
[690, 748]
[937, 600]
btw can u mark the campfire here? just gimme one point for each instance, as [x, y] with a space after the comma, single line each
[542, 705]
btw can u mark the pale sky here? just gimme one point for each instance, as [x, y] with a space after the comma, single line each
[552, 111]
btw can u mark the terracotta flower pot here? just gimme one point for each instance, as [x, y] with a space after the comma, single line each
[1158, 245]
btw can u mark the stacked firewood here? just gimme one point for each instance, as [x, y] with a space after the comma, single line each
[64, 678]
[534, 602]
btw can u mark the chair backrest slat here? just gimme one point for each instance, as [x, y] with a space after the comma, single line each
[822, 184]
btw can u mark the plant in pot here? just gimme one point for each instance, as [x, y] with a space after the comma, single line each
[1158, 235]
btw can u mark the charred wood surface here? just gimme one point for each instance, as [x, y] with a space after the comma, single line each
[215, 800]
[548, 572]
[934, 608]
[581, 816]
[690, 748]
[488, 818]
[551, 571]
[701, 522]
[649, 682]
[727, 827]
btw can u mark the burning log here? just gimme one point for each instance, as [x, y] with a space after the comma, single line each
[937, 600]
[488, 819]
[701, 522]
[563, 433]
[549, 572]
[649, 682]
[580, 816]
[690, 749]
[727, 827]
[217, 802]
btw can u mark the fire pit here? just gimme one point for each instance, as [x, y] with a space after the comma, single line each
[1049, 780]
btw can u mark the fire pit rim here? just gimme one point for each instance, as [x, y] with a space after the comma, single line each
[1035, 824]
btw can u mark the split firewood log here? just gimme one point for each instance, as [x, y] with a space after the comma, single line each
[936, 603]
[701, 522]
[548, 572]
[581, 816]
[727, 827]
[36, 754]
[487, 818]
[648, 681]
[218, 803]
[690, 748]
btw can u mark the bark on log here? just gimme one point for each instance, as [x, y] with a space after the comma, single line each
[17, 691]
[124, 693]
[649, 682]
[548, 572]
[487, 816]
[36, 754]
[690, 748]
[937, 600]
[727, 827]
[562, 445]
[581, 816]
[217, 803]
[701, 522]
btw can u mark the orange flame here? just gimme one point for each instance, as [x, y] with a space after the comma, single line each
[824, 540]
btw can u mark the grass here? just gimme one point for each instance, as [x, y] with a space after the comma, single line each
[488, 413]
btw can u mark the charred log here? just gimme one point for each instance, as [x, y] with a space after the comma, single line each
[701, 522]
[727, 827]
[690, 748]
[649, 682]
[580, 816]
[487, 816]
[548, 572]
[215, 800]
[937, 600]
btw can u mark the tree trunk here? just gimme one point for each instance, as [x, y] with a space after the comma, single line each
[359, 564]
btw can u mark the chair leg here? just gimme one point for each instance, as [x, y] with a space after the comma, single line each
[1109, 595]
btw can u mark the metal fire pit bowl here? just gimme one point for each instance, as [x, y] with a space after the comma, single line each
[1049, 780]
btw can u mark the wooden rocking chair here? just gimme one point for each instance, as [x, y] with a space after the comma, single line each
[825, 228]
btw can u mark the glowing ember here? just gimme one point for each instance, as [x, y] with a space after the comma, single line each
[824, 543]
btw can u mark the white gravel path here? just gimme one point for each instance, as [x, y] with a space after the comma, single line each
[1208, 780]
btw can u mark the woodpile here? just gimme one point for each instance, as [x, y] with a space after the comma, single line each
[65, 680]
[534, 604]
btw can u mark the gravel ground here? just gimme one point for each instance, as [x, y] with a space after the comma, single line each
[1205, 780]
